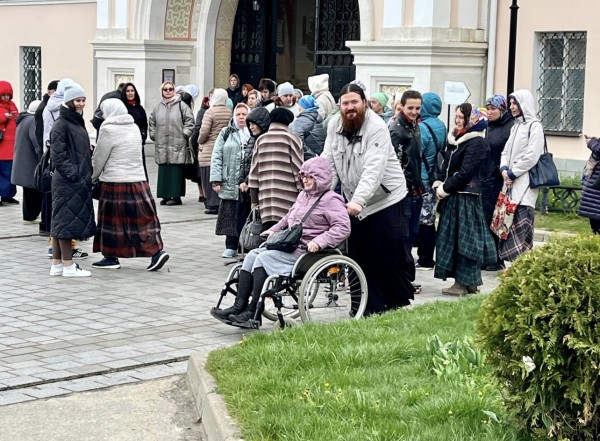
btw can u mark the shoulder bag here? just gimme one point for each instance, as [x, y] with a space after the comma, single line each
[288, 239]
[42, 175]
[544, 173]
[250, 237]
[504, 215]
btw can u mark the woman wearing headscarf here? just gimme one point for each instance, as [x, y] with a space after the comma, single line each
[274, 179]
[132, 101]
[72, 207]
[127, 221]
[27, 156]
[215, 118]
[8, 127]
[500, 121]
[521, 153]
[171, 124]
[464, 241]
[224, 176]
[326, 226]
[308, 125]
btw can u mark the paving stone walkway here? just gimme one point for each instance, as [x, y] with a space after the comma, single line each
[59, 336]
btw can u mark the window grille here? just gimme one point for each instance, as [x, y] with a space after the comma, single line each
[561, 81]
[32, 74]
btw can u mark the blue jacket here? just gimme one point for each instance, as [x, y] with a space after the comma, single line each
[430, 112]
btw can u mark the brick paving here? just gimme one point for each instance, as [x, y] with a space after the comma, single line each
[59, 336]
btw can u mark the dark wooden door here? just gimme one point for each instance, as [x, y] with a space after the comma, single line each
[337, 21]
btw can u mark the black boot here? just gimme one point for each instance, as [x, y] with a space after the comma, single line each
[241, 299]
[247, 317]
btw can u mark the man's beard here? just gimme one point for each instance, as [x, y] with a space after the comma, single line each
[353, 125]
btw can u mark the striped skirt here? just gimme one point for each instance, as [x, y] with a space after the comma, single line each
[127, 221]
[520, 235]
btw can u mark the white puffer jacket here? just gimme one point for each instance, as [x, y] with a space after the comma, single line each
[118, 154]
[523, 149]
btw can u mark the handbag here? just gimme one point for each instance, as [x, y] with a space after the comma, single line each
[504, 215]
[42, 175]
[1, 135]
[288, 239]
[250, 237]
[544, 173]
[96, 189]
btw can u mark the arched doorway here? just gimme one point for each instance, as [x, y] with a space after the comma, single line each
[290, 40]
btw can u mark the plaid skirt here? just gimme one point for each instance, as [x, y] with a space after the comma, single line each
[127, 221]
[464, 241]
[520, 235]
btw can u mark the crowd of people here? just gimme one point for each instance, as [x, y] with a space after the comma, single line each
[394, 166]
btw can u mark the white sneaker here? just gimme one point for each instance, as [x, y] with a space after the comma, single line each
[56, 270]
[229, 253]
[75, 271]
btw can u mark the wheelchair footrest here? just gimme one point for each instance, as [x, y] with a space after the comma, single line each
[248, 324]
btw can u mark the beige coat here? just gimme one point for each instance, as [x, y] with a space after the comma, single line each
[170, 127]
[215, 118]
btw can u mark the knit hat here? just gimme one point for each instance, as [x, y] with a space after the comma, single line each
[33, 106]
[282, 115]
[497, 101]
[308, 103]
[298, 92]
[285, 89]
[72, 91]
[52, 85]
[381, 98]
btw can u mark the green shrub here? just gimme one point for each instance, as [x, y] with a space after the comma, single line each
[540, 330]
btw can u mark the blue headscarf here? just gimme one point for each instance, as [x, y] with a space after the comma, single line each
[308, 103]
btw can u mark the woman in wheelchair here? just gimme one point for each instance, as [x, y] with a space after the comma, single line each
[326, 226]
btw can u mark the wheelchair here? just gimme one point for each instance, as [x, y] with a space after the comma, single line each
[325, 287]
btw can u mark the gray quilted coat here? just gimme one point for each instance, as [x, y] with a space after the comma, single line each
[72, 206]
[170, 128]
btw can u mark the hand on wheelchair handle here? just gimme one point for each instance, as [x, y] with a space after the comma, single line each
[312, 247]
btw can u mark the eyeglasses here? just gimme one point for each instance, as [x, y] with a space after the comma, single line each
[304, 176]
[168, 89]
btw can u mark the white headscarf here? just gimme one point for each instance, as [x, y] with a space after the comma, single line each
[113, 107]
[244, 132]
[219, 98]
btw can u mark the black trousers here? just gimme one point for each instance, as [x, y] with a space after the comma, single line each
[426, 248]
[46, 223]
[379, 244]
[32, 203]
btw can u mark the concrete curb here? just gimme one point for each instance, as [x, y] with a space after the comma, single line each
[210, 406]
[540, 235]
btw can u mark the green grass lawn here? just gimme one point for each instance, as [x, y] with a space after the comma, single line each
[563, 222]
[371, 379]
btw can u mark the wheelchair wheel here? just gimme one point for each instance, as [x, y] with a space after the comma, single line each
[334, 288]
[290, 306]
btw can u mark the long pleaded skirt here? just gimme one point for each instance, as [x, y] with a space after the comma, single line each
[171, 181]
[127, 222]
[464, 241]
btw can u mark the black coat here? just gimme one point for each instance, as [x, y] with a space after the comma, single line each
[497, 135]
[39, 120]
[72, 207]
[196, 132]
[406, 139]
[27, 151]
[139, 118]
[464, 160]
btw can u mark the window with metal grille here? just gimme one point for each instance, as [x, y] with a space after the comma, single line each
[561, 81]
[31, 74]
